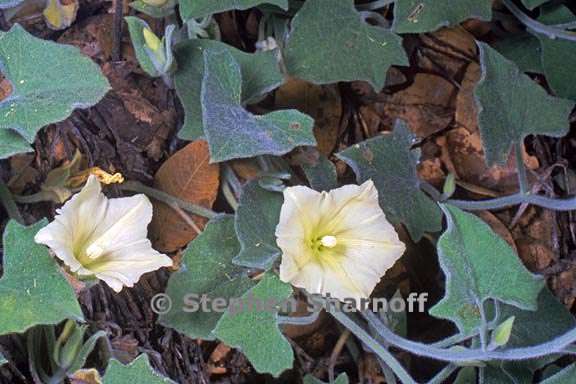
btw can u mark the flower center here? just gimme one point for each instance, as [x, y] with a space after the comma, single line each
[94, 251]
[329, 241]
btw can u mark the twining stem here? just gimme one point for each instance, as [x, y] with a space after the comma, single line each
[522, 177]
[135, 186]
[557, 345]
[568, 204]
[374, 346]
[9, 204]
[443, 374]
[536, 26]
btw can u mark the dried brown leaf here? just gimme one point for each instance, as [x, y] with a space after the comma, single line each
[187, 175]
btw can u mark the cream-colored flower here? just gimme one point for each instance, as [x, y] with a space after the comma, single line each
[338, 242]
[104, 238]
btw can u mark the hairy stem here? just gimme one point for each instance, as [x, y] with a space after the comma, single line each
[135, 186]
[551, 32]
[374, 346]
[9, 204]
[522, 177]
[556, 345]
[443, 374]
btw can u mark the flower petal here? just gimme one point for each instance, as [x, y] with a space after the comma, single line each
[74, 223]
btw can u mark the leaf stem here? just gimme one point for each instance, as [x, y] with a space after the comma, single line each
[550, 32]
[9, 204]
[135, 186]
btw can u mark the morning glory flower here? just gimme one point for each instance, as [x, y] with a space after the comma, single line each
[336, 243]
[103, 238]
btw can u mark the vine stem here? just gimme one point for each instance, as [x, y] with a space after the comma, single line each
[557, 345]
[568, 204]
[135, 186]
[374, 346]
[522, 177]
[550, 32]
[9, 204]
[443, 374]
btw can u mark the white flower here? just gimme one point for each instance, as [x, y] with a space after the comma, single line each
[104, 238]
[338, 242]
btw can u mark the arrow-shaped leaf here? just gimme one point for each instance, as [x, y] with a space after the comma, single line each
[231, 131]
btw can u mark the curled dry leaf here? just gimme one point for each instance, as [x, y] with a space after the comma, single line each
[534, 236]
[322, 102]
[86, 376]
[187, 175]
[447, 51]
[462, 147]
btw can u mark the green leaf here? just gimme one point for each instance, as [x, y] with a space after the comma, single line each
[321, 174]
[479, 265]
[32, 290]
[208, 271]
[231, 131]
[256, 220]
[136, 27]
[558, 58]
[201, 8]
[391, 165]
[418, 16]
[466, 375]
[260, 74]
[330, 42]
[531, 328]
[529, 109]
[531, 4]
[341, 379]
[12, 143]
[48, 81]
[255, 331]
[138, 371]
[524, 50]
[565, 376]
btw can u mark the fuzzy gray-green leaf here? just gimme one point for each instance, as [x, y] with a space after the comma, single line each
[207, 270]
[260, 74]
[391, 165]
[201, 8]
[330, 42]
[479, 265]
[256, 220]
[231, 131]
[48, 82]
[138, 371]
[33, 290]
[255, 331]
[528, 108]
[418, 16]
